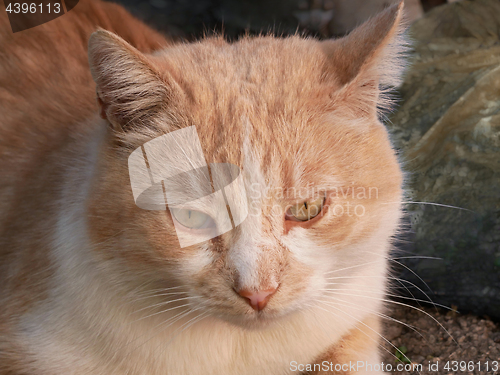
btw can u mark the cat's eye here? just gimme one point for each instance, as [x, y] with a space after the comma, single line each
[305, 211]
[192, 219]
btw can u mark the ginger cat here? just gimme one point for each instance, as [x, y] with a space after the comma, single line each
[93, 284]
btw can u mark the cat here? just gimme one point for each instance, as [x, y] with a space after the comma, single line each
[94, 284]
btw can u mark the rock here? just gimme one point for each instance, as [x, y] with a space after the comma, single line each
[448, 131]
[338, 17]
[393, 331]
[350, 13]
[325, 18]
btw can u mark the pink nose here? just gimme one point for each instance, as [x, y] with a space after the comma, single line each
[258, 300]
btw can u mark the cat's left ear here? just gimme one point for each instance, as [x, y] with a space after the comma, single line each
[369, 59]
[130, 88]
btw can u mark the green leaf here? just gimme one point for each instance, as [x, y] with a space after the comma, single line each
[400, 354]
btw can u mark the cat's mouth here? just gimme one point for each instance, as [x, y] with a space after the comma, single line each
[252, 309]
[254, 321]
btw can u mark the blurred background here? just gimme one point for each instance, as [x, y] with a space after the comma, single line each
[446, 127]
[189, 19]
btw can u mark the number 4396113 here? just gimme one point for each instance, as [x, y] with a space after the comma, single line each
[471, 366]
[33, 8]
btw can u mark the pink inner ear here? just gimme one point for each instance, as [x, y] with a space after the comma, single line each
[126, 80]
[102, 107]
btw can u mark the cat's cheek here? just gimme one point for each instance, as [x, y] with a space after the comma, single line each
[312, 261]
[197, 261]
[307, 251]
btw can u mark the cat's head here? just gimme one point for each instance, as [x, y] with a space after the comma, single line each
[300, 119]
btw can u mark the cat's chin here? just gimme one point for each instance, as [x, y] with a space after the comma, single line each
[255, 321]
[254, 324]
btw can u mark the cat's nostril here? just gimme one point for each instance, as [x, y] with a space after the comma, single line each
[257, 299]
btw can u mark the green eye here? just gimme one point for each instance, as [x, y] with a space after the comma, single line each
[192, 219]
[306, 210]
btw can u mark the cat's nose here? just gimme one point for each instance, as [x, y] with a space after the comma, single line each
[258, 300]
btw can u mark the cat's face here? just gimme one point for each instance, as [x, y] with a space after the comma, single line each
[299, 119]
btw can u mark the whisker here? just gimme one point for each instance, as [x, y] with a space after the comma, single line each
[429, 300]
[430, 204]
[382, 315]
[161, 312]
[382, 337]
[162, 304]
[401, 281]
[139, 292]
[416, 275]
[163, 289]
[179, 314]
[394, 287]
[406, 305]
[388, 294]
[188, 324]
[376, 261]
[157, 295]
[172, 321]
[396, 260]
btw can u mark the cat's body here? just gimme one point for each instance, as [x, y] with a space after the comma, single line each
[85, 273]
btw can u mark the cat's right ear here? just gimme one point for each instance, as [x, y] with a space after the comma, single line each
[130, 89]
[369, 59]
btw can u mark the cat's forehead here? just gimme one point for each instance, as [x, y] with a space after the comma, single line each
[261, 104]
[255, 67]
[281, 165]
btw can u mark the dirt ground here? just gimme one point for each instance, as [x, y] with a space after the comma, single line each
[443, 342]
